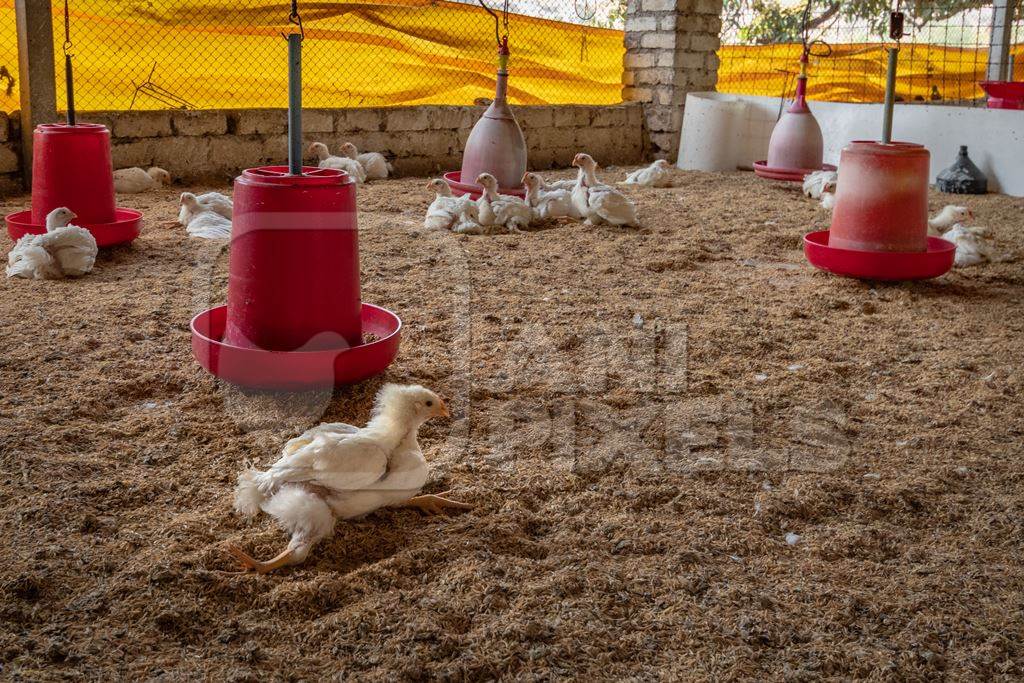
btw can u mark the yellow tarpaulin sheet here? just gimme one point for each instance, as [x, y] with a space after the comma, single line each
[856, 72]
[230, 54]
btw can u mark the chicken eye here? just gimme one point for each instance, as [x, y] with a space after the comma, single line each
[430, 403]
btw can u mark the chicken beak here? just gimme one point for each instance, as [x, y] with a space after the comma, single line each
[444, 410]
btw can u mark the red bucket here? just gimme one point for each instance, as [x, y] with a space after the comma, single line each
[71, 167]
[293, 281]
[881, 198]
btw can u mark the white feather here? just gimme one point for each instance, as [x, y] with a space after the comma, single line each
[818, 182]
[973, 247]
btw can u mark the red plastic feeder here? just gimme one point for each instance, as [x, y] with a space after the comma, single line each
[874, 265]
[880, 221]
[495, 145]
[71, 167]
[293, 318]
[1004, 94]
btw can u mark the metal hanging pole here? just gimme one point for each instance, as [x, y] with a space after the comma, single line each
[295, 104]
[1001, 40]
[890, 95]
[295, 92]
[69, 78]
[896, 19]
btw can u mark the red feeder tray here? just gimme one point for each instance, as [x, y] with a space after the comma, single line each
[880, 265]
[71, 167]
[794, 175]
[296, 370]
[459, 188]
[1004, 94]
[294, 318]
[122, 230]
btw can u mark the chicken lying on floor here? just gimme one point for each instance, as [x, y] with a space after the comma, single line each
[202, 220]
[374, 164]
[337, 470]
[596, 202]
[973, 245]
[134, 180]
[546, 204]
[818, 183]
[950, 216]
[658, 174]
[326, 160]
[208, 201]
[62, 251]
[447, 212]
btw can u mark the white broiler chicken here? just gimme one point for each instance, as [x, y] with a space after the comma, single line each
[973, 245]
[337, 470]
[828, 200]
[443, 213]
[658, 174]
[501, 209]
[818, 183]
[62, 251]
[558, 184]
[947, 218]
[349, 166]
[547, 203]
[209, 201]
[375, 166]
[135, 180]
[202, 221]
[468, 222]
[599, 203]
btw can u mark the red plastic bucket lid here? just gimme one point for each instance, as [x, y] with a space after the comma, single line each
[311, 176]
[77, 129]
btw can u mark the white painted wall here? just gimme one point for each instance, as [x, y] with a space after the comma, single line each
[722, 132]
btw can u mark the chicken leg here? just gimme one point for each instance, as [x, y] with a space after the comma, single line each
[433, 504]
[270, 565]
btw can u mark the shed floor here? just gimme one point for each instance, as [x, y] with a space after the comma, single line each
[641, 419]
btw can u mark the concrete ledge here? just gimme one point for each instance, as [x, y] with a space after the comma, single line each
[218, 144]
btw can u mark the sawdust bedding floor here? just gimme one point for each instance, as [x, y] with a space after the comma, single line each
[690, 454]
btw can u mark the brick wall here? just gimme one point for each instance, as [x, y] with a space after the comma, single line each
[671, 50]
[216, 145]
[10, 154]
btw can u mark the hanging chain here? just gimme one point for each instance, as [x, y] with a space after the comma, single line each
[499, 24]
[504, 18]
[809, 45]
[67, 29]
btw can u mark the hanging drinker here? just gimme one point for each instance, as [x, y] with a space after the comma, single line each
[963, 177]
[796, 147]
[496, 144]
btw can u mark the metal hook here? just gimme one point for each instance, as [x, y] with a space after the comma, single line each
[296, 20]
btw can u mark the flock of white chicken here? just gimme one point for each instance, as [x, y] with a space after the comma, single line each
[973, 244]
[584, 199]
